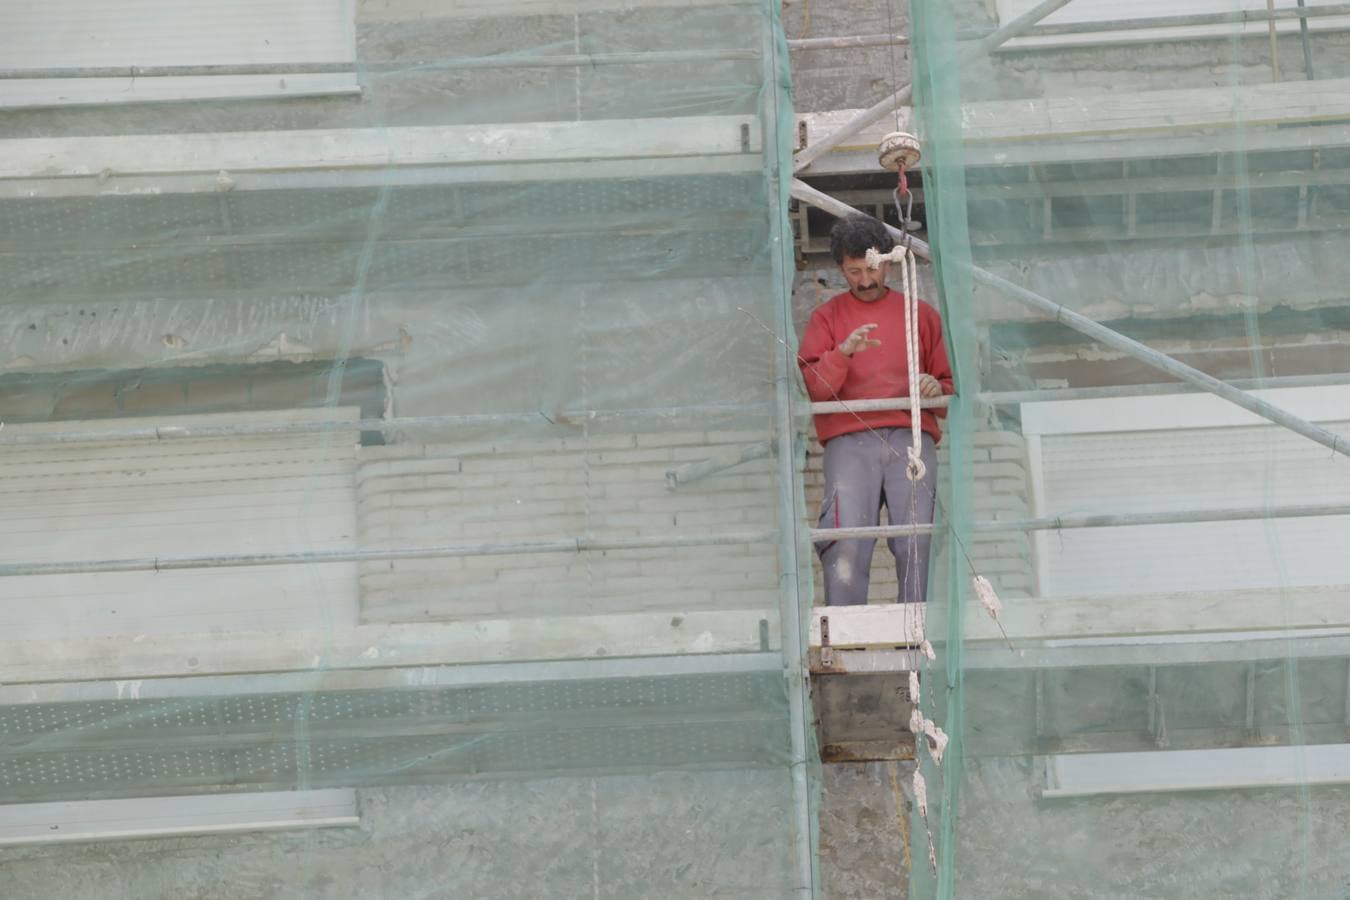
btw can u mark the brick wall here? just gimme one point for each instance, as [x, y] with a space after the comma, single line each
[615, 486]
[606, 486]
[611, 486]
[1001, 491]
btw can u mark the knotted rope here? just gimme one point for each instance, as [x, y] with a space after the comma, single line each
[915, 470]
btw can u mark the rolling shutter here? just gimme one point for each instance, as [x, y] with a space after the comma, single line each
[178, 497]
[72, 52]
[1185, 453]
[1103, 11]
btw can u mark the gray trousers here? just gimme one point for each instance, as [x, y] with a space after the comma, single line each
[863, 470]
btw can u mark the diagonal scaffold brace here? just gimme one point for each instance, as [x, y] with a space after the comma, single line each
[1101, 333]
[901, 97]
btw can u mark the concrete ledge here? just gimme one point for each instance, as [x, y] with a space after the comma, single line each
[390, 646]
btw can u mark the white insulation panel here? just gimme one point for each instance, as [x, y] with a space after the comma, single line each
[57, 34]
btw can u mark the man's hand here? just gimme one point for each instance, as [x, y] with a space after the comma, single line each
[859, 340]
[929, 387]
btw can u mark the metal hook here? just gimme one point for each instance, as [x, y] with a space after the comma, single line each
[904, 211]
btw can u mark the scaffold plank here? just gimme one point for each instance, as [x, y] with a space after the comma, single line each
[390, 646]
[873, 626]
[227, 154]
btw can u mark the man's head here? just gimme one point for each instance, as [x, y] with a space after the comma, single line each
[850, 239]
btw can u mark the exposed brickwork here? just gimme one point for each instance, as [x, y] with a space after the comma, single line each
[605, 486]
[615, 487]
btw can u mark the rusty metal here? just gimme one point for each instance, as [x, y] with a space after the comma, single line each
[868, 751]
[861, 662]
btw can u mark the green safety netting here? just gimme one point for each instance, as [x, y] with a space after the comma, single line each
[360, 364]
[372, 377]
[1167, 715]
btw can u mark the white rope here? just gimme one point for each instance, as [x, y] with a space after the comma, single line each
[924, 729]
[915, 470]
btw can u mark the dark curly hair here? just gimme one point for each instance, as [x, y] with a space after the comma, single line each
[854, 235]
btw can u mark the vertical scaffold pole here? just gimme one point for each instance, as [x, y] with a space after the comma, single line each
[777, 141]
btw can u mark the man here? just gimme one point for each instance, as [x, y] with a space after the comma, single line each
[854, 349]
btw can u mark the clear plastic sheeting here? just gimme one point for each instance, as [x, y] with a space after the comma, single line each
[357, 399]
[1167, 714]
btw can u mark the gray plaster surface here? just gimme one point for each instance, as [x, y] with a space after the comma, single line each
[674, 835]
[845, 79]
[855, 78]
[457, 70]
[1188, 278]
[670, 835]
[1145, 66]
[862, 837]
[1261, 845]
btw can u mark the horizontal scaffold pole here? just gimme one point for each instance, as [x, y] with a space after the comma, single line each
[1090, 520]
[19, 436]
[1104, 335]
[588, 545]
[445, 551]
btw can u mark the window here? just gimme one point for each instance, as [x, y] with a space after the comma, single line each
[1183, 453]
[1088, 774]
[286, 492]
[81, 52]
[1106, 11]
[180, 497]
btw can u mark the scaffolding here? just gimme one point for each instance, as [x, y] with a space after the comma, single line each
[466, 572]
[563, 538]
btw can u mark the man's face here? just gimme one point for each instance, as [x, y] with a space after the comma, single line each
[868, 285]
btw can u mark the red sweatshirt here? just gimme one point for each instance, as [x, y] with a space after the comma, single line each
[876, 372]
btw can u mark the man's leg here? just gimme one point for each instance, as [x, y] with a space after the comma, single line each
[910, 503]
[852, 500]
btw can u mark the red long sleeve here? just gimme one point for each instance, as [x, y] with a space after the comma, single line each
[875, 373]
[823, 367]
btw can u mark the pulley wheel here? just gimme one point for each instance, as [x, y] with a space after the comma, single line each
[898, 150]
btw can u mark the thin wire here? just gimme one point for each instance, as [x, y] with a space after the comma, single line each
[895, 70]
[901, 817]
